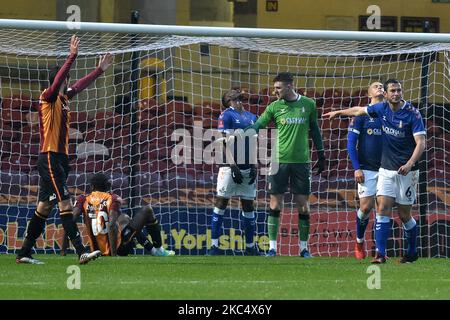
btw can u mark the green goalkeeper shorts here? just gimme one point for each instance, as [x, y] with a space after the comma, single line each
[297, 176]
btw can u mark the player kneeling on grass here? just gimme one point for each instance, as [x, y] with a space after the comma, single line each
[110, 231]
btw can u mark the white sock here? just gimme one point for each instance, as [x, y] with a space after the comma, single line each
[249, 245]
[359, 240]
[360, 215]
[410, 224]
[215, 242]
[303, 245]
[273, 245]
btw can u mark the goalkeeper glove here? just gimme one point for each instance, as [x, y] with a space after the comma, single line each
[320, 164]
[236, 174]
[252, 175]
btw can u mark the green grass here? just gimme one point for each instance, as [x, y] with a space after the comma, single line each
[222, 278]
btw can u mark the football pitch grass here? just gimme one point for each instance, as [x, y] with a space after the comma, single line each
[223, 278]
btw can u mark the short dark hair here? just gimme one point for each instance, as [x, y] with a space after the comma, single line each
[390, 81]
[100, 182]
[53, 72]
[285, 77]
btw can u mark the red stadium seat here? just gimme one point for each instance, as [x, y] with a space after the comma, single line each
[266, 96]
[336, 97]
[18, 102]
[103, 136]
[80, 120]
[313, 94]
[180, 107]
[360, 98]
[14, 118]
[208, 109]
[147, 104]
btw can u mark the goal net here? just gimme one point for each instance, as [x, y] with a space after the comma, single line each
[150, 121]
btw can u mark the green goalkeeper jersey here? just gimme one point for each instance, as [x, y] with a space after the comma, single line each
[292, 121]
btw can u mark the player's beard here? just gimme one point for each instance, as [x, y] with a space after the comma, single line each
[65, 90]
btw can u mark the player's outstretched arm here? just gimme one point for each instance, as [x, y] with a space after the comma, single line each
[52, 92]
[350, 112]
[104, 63]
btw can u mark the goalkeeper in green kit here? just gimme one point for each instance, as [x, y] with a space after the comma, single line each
[295, 118]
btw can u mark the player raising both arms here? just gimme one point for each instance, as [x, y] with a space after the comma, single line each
[53, 162]
[403, 145]
[110, 231]
[235, 178]
[364, 148]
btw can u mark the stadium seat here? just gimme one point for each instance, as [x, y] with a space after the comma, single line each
[75, 135]
[209, 123]
[180, 107]
[32, 120]
[146, 119]
[102, 136]
[208, 109]
[5, 148]
[110, 119]
[18, 102]
[80, 120]
[29, 135]
[360, 98]
[88, 149]
[313, 94]
[181, 178]
[336, 97]
[14, 118]
[16, 163]
[266, 96]
[147, 104]
[11, 179]
[154, 151]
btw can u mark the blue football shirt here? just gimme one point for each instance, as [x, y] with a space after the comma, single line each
[370, 141]
[399, 129]
[230, 120]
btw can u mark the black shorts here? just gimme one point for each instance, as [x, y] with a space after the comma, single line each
[53, 171]
[295, 175]
[127, 242]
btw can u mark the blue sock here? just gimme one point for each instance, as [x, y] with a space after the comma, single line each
[382, 232]
[411, 236]
[216, 225]
[361, 225]
[249, 229]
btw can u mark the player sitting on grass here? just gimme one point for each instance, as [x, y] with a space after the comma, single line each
[110, 231]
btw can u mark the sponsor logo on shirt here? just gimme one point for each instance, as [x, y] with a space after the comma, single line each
[300, 120]
[393, 132]
[374, 131]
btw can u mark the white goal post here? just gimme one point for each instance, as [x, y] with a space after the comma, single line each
[150, 122]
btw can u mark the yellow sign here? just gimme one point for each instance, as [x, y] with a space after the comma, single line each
[272, 5]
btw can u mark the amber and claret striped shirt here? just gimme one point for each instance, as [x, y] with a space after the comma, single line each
[54, 113]
[96, 208]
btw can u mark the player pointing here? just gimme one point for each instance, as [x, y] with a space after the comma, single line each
[364, 148]
[53, 162]
[403, 145]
